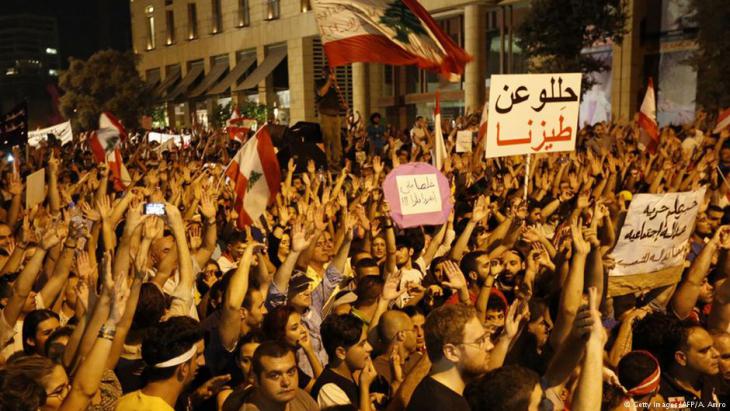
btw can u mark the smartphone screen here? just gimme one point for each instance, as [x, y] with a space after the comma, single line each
[154, 209]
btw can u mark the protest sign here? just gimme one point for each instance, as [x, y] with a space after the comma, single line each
[532, 113]
[655, 235]
[35, 188]
[167, 141]
[463, 141]
[62, 131]
[418, 194]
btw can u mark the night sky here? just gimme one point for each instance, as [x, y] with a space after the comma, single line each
[84, 26]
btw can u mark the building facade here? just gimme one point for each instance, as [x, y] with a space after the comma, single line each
[29, 62]
[203, 53]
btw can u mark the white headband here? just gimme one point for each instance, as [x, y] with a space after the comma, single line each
[179, 359]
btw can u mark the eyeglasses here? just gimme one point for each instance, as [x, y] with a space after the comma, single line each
[61, 391]
[480, 342]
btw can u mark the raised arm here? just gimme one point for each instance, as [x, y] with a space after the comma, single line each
[54, 198]
[87, 379]
[24, 283]
[207, 211]
[480, 212]
[685, 297]
[299, 243]
[572, 292]
[588, 392]
[230, 325]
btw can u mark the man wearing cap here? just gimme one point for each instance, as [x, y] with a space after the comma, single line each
[293, 287]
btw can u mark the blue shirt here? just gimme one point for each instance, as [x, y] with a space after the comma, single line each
[312, 318]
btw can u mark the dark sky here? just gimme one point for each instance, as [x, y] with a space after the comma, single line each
[84, 26]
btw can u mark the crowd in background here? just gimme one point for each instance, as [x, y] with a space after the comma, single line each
[325, 303]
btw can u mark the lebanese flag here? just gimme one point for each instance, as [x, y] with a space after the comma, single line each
[104, 144]
[235, 126]
[649, 130]
[439, 148]
[396, 32]
[723, 121]
[255, 173]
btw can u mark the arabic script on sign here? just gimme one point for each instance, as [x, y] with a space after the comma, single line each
[418, 194]
[656, 232]
[532, 113]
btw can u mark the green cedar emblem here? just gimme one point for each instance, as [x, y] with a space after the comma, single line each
[252, 179]
[401, 19]
[111, 143]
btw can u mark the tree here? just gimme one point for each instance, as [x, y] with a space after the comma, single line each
[711, 58]
[221, 114]
[107, 81]
[555, 32]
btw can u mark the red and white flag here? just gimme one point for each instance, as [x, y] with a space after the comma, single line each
[104, 144]
[649, 129]
[256, 176]
[439, 148]
[396, 32]
[238, 126]
[723, 121]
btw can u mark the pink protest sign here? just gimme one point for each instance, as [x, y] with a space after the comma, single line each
[418, 194]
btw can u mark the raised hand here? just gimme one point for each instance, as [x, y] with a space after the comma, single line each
[15, 186]
[208, 206]
[299, 239]
[456, 279]
[516, 313]
[481, 209]
[579, 244]
[390, 288]
[120, 294]
[195, 237]
[104, 208]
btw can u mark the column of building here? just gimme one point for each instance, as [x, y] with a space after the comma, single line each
[626, 65]
[475, 72]
[301, 79]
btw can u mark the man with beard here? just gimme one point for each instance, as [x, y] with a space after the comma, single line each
[459, 348]
[513, 272]
[689, 360]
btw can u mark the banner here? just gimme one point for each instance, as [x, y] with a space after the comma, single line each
[61, 131]
[655, 234]
[168, 141]
[418, 195]
[532, 113]
[14, 127]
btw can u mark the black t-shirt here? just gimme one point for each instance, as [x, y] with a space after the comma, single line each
[348, 387]
[682, 399]
[328, 104]
[432, 395]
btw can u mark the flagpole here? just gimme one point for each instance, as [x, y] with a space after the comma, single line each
[527, 174]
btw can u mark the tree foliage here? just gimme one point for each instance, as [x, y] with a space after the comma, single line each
[556, 31]
[712, 58]
[107, 81]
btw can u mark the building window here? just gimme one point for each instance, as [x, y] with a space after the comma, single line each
[272, 9]
[244, 19]
[149, 11]
[305, 6]
[216, 18]
[192, 21]
[170, 36]
[168, 2]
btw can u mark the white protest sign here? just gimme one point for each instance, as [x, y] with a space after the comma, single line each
[463, 141]
[418, 193]
[532, 113]
[168, 140]
[62, 132]
[35, 188]
[656, 232]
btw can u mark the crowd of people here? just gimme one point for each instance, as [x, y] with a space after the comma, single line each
[325, 303]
